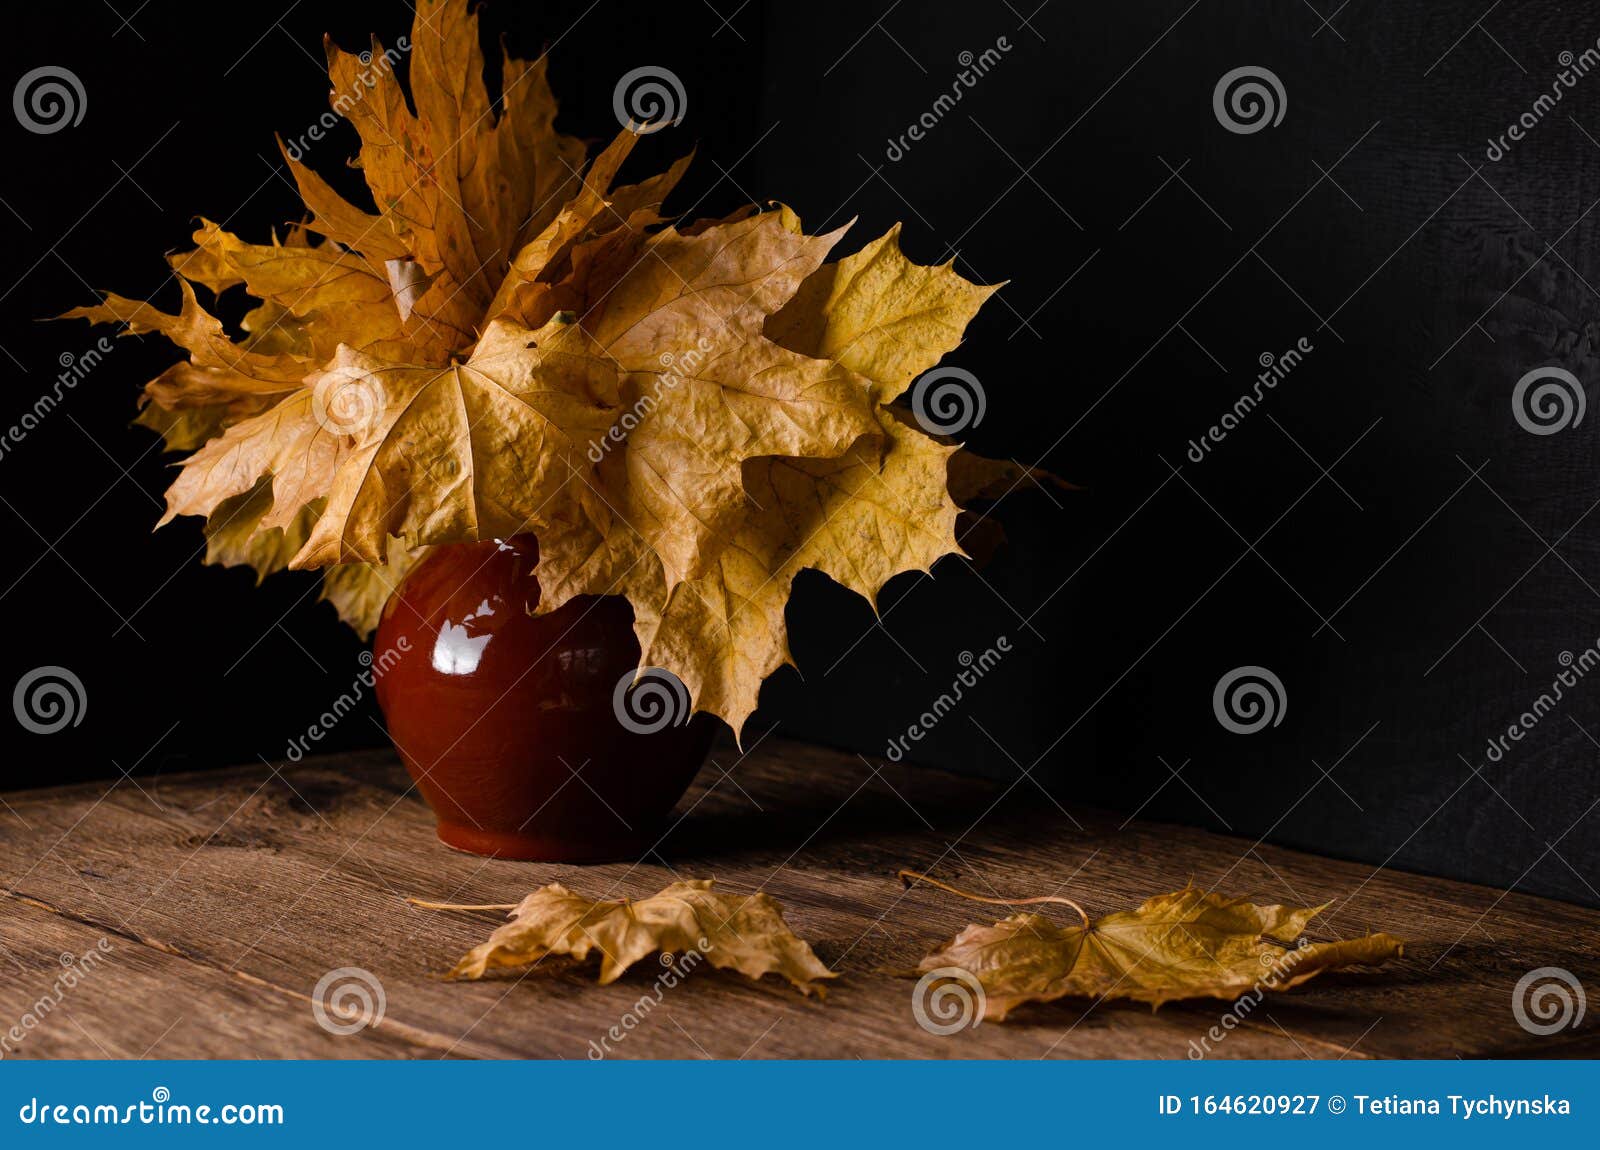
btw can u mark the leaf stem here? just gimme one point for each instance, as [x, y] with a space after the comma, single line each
[906, 877]
[426, 905]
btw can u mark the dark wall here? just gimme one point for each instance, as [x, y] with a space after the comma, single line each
[1381, 532]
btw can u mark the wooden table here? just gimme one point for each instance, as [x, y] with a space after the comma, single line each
[225, 897]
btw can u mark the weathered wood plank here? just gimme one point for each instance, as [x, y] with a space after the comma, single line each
[269, 879]
[71, 991]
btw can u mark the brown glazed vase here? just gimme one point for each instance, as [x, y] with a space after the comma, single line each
[522, 731]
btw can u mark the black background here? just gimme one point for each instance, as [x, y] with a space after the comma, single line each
[1382, 533]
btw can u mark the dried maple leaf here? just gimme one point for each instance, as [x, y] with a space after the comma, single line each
[527, 291]
[358, 591]
[1188, 944]
[470, 451]
[880, 315]
[862, 513]
[744, 933]
[220, 374]
[463, 183]
[878, 510]
[234, 537]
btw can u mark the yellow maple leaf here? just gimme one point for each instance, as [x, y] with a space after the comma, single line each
[232, 367]
[234, 537]
[1187, 944]
[183, 429]
[359, 591]
[335, 294]
[875, 509]
[881, 315]
[294, 442]
[596, 209]
[705, 389]
[743, 933]
[463, 183]
[439, 455]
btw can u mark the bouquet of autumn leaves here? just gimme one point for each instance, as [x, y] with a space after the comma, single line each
[686, 415]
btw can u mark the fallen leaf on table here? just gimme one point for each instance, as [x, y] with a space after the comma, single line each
[1188, 944]
[745, 933]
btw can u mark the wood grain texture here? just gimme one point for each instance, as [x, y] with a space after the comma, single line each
[226, 897]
